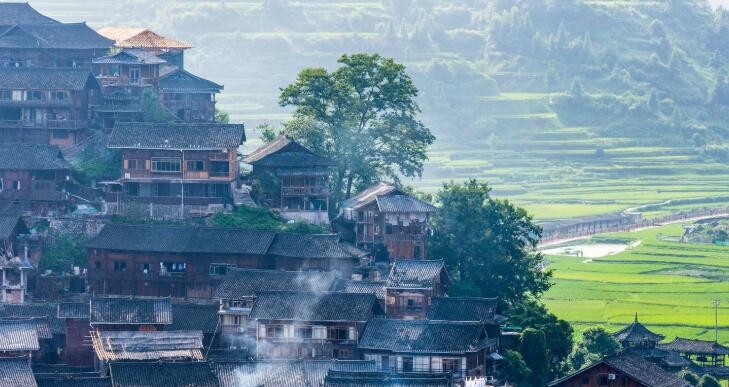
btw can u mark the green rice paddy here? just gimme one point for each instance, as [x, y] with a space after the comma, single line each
[670, 285]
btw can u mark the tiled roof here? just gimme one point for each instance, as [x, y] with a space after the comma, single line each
[194, 317]
[353, 286]
[18, 335]
[636, 332]
[285, 152]
[130, 57]
[203, 136]
[403, 203]
[79, 310]
[127, 310]
[309, 306]
[182, 81]
[354, 365]
[142, 345]
[325, 246]
[369, 195]
[74, 381]
[31, 157]
[140, 38]
[37, 78]
[699, 347]
[415, 274]
[245, 283]
[16, 372]
[26, 311]
[382, 379]
[273, 373]
[464, 309]
[8, 224]
[182, 239]
[636, 368]
[413, 336]
[178, 374]
[40, 324]
[54, 36]
[22, 13]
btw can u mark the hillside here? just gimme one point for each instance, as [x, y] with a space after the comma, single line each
[567, 107]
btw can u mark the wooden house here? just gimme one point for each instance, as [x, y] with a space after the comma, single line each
[77, 327]
[163, 373]
[189, 262]
[388, 222]
[19, 339]
[188, 97]
[292, 325]
[171, 50]
[158, 160]
[46, 105]
[292, 179]
[462, 349]
[636, 335]
[14, 263]
[710, 356]
[48, 328]
[29, 39]
[237, 295]
[33, 179]
[411, 285]
[624, 370]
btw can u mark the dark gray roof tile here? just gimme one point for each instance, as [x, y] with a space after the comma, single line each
[327, 246]
[187, 317]
[178, 374]
[77, 36]
[27, 311]
[9, 224]
[18, 335]
[246, 283]
[403, 203]
[701, 347]
[309, 306]
[637, 333]
[31, 157]
[412, 336]
[353, 286]
[175, 136]
[182, 81]
[464, 309]
[416, 274]
[285, 152]
[128, 310]
[273, 373]
[78, 310]
[22, 13]
[16, 372]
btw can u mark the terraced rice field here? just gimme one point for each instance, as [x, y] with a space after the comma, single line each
[670, 285]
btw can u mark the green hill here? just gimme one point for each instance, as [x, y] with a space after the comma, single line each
[568, 107]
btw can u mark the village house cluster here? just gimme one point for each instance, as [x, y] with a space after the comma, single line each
[173, 302]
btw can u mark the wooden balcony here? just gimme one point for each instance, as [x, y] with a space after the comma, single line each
[45, 124]
[305, 191]
[109, 81]
[37, 102]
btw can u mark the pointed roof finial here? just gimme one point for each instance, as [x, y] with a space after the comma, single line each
[636, 316]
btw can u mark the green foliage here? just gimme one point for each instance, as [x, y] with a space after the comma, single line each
[221, 116]
[517, 371]
[268, 132]
[152, 109]
[364, 116]
[261, 218]
[62, 253]
[596, 344]
[534, 351]
[97, 164]
[488, 244]
[256, 218]
[689, 377]
[558, 333]
[708, 381]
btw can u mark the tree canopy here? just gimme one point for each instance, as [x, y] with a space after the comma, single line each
[596, 344]
[488, 244]
[364, 116]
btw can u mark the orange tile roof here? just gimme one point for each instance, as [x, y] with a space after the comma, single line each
[140, 38]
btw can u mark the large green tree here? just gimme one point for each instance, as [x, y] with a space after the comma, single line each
[533, 348]
[596, 344]
[488, 244]
[364, 116]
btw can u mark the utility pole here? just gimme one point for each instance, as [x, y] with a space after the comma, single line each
[716, 320]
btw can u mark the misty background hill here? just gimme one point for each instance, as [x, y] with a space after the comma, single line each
[569, 107]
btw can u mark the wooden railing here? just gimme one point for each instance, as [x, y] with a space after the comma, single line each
[45, 124]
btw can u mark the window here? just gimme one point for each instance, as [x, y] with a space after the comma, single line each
[421, 363]
[172, 267]
[34, 95]
[319, 332]
[135, 164]
[58, 96]
[6, 95]
[144, 268]
[97, 265]
[220, 268]
[134, 75]
[407, 364]
[120, 266]
[16, 185]
[219, 168]
[338, 334]
[416, 252]
[60, 134]
[166, 165]
[304, 332]
[385, 363]
[195, 165]
[388, 229]
[342, 353]
[132, 189]
[451, 365]
[274, 331]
